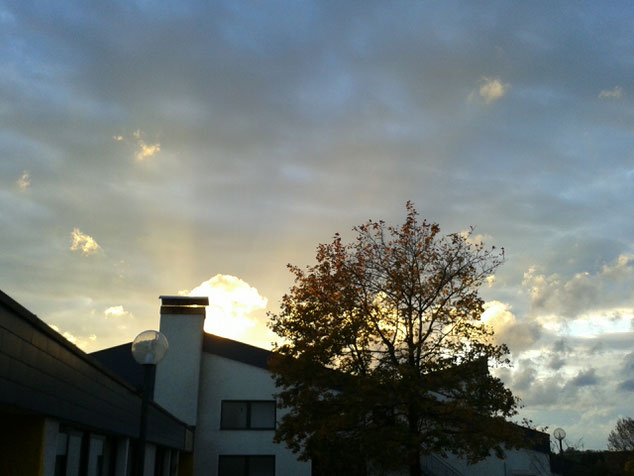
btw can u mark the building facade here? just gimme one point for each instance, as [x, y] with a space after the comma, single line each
[224, 389]
[66, 413]
[63, 413]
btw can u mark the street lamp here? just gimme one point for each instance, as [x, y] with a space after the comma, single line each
[559, 434]
[148, 349]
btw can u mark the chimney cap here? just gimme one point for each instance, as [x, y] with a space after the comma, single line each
[184, 300]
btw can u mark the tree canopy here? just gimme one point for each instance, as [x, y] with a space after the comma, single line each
[383, 356]
[622, 437]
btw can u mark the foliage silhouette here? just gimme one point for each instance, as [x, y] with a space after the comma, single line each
[622, 437]
[384, 357]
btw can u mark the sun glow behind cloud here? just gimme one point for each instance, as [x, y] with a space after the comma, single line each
[232, 303]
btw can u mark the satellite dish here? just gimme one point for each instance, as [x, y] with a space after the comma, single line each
[559, 433]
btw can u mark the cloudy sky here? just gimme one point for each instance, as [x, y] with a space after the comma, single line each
[152, 148]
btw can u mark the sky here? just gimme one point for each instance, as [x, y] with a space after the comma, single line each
[156, 148]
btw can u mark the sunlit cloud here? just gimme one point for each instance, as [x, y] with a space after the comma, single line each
[84, 243]
[232, 303]
[117, 138]
[615, 93]
[476, 239]
[519, 336]
[561, 297]
[116, 312]
[81, 343]
[67, 335]
[490, 90]
[24, 181]
[145, 150]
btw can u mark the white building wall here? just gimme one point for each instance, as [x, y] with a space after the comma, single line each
[225, 379]
[515, 463]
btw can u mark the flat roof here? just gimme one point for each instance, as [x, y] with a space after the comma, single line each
[184, 300]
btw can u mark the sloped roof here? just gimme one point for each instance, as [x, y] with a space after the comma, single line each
[44, 374]
[238, 351]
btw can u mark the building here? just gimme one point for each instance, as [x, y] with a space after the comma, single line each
[219, 386]
[224, 389]
[69, 413]
[63, 413]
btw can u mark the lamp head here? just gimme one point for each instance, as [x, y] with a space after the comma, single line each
[149, 347]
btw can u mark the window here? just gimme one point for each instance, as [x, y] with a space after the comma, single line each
[246, 465]
[247, 415]
[62, 452]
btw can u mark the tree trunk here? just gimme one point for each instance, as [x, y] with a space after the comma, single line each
[414, 467]
[414, 448]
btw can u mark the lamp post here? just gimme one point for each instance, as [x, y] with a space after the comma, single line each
[560, 434]
[148, 349]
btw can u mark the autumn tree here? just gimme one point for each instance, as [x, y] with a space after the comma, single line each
[383, 356]
[622, 437]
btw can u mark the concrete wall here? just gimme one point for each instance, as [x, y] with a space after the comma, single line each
[225, 379]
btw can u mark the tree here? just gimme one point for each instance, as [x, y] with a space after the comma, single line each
[622, 437]
[383, 356]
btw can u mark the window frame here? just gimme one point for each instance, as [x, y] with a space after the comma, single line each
[246, 460]
[248, 426]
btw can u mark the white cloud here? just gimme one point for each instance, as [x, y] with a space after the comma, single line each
[81, 343]
[622, 268]
[84, 243]
[117, 138]
[116, 312]
[518, 336]
[615, 93]
[490, 90]
[605, 292]
[232, 303]
[146, 150]
[24, 181]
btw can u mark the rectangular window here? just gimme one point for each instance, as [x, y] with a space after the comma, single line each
[247, 415]
[246, 465]
[61, 457]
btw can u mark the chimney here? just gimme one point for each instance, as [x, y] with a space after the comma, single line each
[178, 375]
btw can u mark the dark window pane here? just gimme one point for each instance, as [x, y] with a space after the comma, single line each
[60, 465]
[232, 466]
[234, 415]
[262, 414]
[261, 465]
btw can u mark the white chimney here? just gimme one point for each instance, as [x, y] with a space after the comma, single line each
[178, 374]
